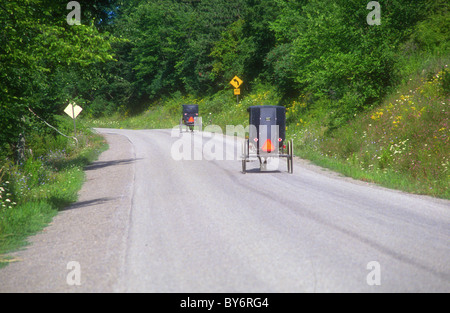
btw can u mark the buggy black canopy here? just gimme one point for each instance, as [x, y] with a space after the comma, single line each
[267, 135]
[189, 116]
[267, 127]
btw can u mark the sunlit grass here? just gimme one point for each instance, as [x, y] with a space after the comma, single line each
[32, 192]
[403, 143]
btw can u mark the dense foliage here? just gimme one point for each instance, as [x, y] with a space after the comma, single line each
[325, 50]
[127, 54]
[40, 54]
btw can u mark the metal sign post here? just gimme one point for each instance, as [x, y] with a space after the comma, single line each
[74, 123]
[237, 92]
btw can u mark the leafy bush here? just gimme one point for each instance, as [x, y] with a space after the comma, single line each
[434, 32]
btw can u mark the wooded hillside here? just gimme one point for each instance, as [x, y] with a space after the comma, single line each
[126, 54]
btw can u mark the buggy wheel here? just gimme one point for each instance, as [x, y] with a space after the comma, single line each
[244, 156]
[291, 156]
[288, 163]
[181, 125]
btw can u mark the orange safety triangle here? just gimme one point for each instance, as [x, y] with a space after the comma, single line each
[268, 146]
[191, 120]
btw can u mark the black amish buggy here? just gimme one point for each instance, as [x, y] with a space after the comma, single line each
[190, 117]
[267, 137]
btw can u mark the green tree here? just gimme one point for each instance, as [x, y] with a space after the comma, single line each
[209, 21]
[338, 55]
[231, 54]
[36, 43]
[171, 43]
[157, 31]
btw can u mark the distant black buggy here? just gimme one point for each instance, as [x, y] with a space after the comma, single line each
[190, 119]
[266, 138]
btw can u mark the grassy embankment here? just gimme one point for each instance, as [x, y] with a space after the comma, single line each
[48, 180]
[403, 143]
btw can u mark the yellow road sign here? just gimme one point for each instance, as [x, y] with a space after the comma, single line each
[236, 82]
[237, 92]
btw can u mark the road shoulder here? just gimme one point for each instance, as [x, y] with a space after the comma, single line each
[87, 240]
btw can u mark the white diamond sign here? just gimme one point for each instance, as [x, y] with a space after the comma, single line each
[73, 110]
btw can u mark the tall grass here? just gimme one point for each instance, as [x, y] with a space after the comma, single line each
[33, 190]
[404, 143]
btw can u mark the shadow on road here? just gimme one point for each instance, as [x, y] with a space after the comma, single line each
[102, 164]
[87, 203]
[259, 171]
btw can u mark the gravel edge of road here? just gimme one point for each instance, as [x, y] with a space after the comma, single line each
[91, 232]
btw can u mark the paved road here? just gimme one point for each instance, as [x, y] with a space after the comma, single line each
[157, 216]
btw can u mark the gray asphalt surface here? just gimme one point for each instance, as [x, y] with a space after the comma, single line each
[153, 217]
